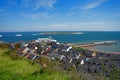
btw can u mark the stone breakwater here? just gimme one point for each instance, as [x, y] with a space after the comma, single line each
[82, 60]
[95, 44]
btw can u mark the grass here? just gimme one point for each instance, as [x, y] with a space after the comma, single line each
[77, 48]
[23, 69]
[11, 69]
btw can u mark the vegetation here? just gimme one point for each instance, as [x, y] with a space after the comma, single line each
[77, 48]
[22, 69]
[4, 46]
[115, 74]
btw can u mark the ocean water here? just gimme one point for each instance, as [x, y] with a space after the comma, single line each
[66, 37]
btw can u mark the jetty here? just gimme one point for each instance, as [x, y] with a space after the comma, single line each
[95, 44]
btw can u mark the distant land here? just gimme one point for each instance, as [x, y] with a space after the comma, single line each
[62, 32]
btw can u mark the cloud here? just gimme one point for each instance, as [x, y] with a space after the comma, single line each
[37, 4]
[77, 26]
[89, 4]
[29, 8]
[39, 15]
[29, 4]
[34, 15]
[93, 4]
[84, 26]
[44, 3]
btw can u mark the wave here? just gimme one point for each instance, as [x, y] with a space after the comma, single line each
[1, 35]
[18, 35]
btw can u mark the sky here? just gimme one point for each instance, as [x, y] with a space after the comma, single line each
[59, 15]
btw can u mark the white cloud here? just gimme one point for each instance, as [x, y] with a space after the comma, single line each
[76, 26]
[44, 3]
[37, 4]
[90, 4]
[84, 26]
[93, 4]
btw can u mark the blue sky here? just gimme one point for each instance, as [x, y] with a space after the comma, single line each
[59, 15]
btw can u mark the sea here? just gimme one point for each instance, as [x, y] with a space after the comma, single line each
[67, 37]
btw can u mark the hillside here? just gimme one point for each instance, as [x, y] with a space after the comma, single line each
[15, 67]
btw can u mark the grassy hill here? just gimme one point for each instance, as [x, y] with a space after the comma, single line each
[22, 69]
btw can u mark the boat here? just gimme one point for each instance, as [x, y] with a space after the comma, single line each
[19, 35]
[1, 35]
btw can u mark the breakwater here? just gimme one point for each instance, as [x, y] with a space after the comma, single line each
[95, 43]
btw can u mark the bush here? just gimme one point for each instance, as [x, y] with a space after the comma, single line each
[115, 74]
[4, 45]
[12, 54]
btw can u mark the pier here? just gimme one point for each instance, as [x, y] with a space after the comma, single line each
[95, 44]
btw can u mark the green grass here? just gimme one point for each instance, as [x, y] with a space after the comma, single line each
[77, 48]
[15, 69]
[23, 69]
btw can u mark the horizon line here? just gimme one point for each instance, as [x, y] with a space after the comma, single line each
[59, 31]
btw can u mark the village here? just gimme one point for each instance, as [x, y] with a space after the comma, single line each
[82, 60]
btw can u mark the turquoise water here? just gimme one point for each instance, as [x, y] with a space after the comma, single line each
[66, 37]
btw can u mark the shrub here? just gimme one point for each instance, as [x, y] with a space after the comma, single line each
[12, 54]
[115, 74]
[4, 45]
